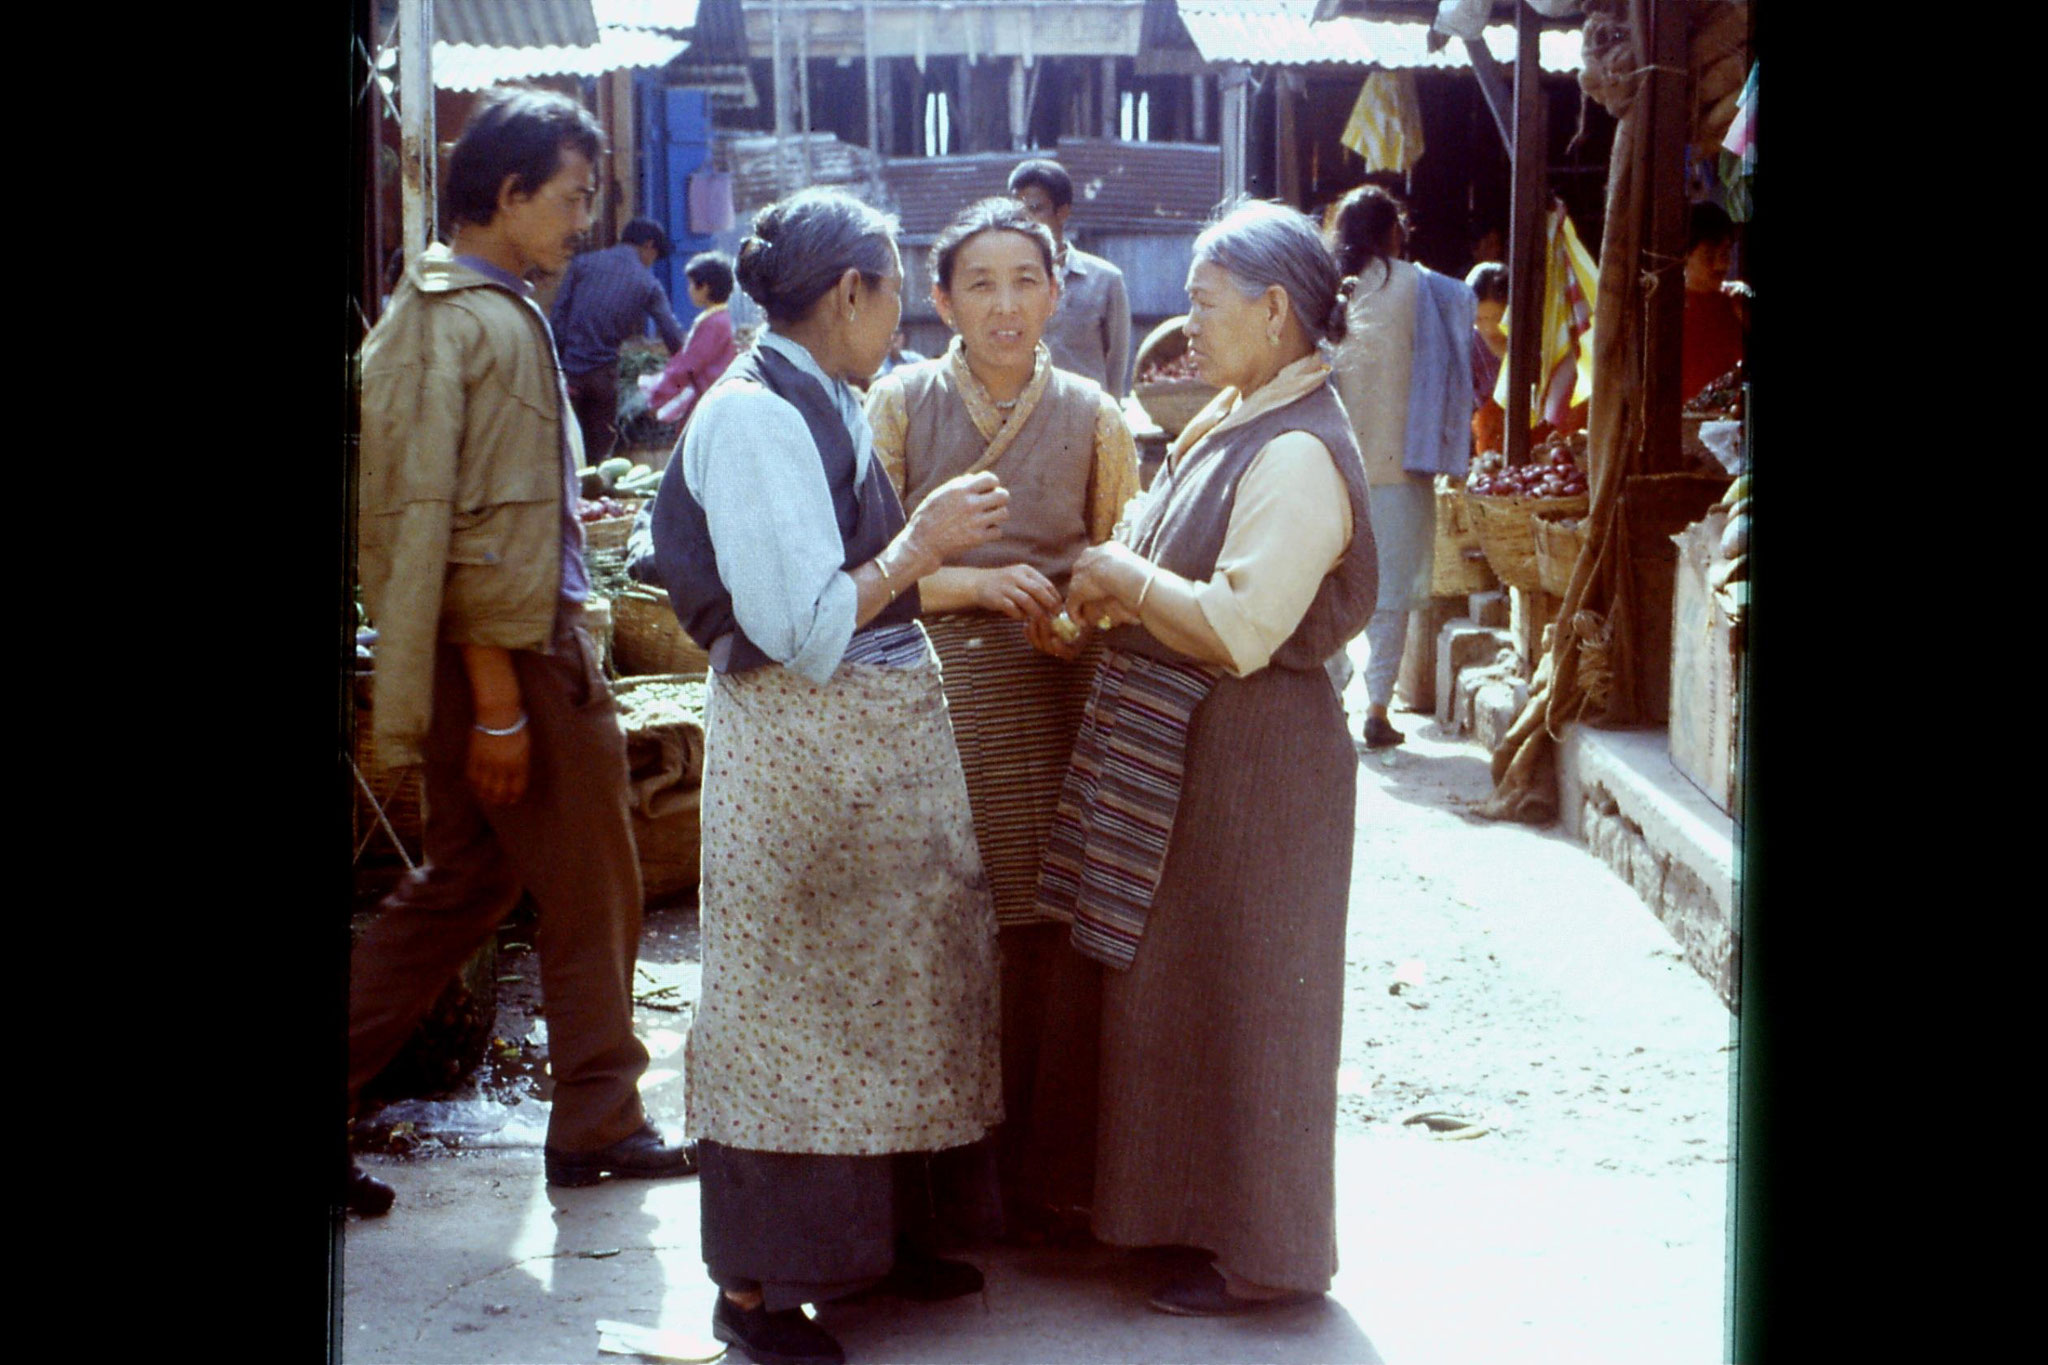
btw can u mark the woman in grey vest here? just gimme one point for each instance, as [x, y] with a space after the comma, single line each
[847, 1027]
[1015, 688]
[1202, 846]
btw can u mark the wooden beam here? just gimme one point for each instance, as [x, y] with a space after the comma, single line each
[1664, 236]
[1527, 205]
[1494, 86]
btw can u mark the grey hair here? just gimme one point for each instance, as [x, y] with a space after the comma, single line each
[1260, 244]
[801, 245]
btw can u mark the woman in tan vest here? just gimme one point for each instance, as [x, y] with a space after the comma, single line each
[1015, 687]
[1202, 845]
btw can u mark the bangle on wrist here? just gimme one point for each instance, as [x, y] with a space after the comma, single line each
[887, 582]
[1149, 576]
[514, 728]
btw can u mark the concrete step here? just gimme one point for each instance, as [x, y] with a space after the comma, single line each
[1621, 795]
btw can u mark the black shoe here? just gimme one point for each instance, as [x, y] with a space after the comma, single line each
[1380, 735]
[931, 1279]
[782, 1338]
[365, 1195]
[645, 1155]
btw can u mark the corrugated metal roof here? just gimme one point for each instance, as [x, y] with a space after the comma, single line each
[755, 160]
[676, 15]
[515, 23]
[1118, 186]
[460, 66]
[1285, 33]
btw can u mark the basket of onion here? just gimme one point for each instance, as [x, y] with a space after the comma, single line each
[1505, 500]
[1169, 387]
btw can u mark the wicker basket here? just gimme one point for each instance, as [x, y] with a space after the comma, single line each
[1458, 567]
[610, 533]
[1559, 539]
[1172, 404]
[1175, 403]
[664, 797]
[647, 638]
[1504, 531]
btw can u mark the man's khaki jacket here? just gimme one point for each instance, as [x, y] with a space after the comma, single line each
[460, 484]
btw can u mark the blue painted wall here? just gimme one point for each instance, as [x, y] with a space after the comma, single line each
[674, 138]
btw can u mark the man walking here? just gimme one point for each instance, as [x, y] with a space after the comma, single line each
[605, 297]
[1090, 332]
[471, 560]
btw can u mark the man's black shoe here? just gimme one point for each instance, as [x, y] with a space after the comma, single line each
[365, 1195]
[645, 1155]
[781, 1338]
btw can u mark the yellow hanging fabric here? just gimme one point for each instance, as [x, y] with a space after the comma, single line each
[1386, 122]
[1570, 289]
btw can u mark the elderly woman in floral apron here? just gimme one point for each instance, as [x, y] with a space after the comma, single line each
[847, 1029]
[1015, 687]
[1202, 847]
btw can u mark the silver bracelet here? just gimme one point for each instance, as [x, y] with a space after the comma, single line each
[514, 728]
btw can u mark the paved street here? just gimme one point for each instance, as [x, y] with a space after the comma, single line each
[1498, 974]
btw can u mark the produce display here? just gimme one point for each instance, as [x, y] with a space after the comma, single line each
[1181, 367]
[1723, 397]
[648, 704]
[598, 509]
[1550, 473]
[622, 476]
[1729, 578]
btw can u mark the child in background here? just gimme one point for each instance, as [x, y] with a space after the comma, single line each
[1489, 281]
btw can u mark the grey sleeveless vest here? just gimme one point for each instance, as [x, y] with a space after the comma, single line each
[1183, 530]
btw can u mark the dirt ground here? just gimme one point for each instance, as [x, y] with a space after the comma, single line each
[1474, 991]
[1566, 1201]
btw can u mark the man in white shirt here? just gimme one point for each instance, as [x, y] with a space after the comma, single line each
[1090, 332]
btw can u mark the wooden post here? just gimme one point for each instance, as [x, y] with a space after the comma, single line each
[1286, 155]
[1527, 205]
[1236, 83]
[1198, 86]
[867, 52]
[418, 163]
[1110, 104]
[781, 98]
[1664, 236]
[625, 133]
[803, 86]
[888, 102]
[1019, 115]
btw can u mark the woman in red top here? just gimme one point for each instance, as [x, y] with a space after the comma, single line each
[709, 347]
[1716, 324]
